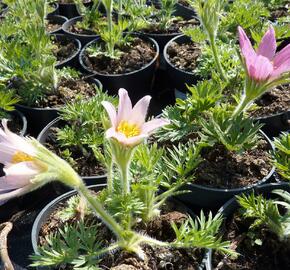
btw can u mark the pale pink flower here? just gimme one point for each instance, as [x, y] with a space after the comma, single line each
[20, 164]
[128, 124]
[264, 64]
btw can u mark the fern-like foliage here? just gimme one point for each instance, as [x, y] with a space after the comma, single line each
[238, 134]
[266, 212]
[201, 232]
[84, 131]
[281, 155]
[7, 102]
[184, 115]
[77, 245]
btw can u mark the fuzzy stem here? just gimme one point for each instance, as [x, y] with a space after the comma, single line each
[216, 57]
[109, 178]
[100, 211]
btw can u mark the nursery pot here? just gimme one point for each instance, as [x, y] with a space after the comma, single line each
[228, 209]
[38, 118]
[54, 7]
[138, 83]
[178, 77]
[184, 11]
[213, 198]
[52, 206]
[42, 138]
[83, 38]
[72, 60]
[23, 121]
[70, 10]
[275, 123]
[57, 19]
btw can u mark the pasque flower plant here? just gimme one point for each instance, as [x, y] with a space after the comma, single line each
[29, 165]
[264, 67]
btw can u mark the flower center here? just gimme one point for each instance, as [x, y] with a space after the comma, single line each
[129, 130]
[21, 157]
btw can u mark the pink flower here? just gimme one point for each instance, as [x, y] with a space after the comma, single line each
[264, 64]
[20, 165]
[128, 125]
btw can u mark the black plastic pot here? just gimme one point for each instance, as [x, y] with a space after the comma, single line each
[42, 137]
[52, 206]
[213, 198]
[179, 78]
[184, 11]
[38, 118]
[48, 210]
[138, 83]
[72, 61]
[57, 19]
[70, 10]
[228, 209]
[20, 116]
[276, 123]
[283, 43]
[84, 39]
[54, 7]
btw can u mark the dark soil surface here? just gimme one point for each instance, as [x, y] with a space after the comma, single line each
[63, 49]
[283, 11]
[51, 26]
[85, 165]
[67, 91]
[223, 169]
[134, 57]
[184, 56]
[77, 29]
[271, 255]
[156, 258]
[274, 101]
[184, 3]
[15, 123]
[175, 27]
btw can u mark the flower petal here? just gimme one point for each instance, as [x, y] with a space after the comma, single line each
[18, 175]
[139, 111]
[268, 45]
[16, 141]
[124, 107]
[246, 46]
[4, 195]
[282, 57]
[150, 126]
[111, 112]
[285, 67]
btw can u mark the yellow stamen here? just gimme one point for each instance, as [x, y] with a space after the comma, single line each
[129, 130]
[21, 157]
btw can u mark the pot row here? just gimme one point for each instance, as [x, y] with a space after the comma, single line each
[199, 197]
[227, 211]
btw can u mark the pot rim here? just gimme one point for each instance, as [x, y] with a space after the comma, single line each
[58, 108]
[46, 129]
[51, 17]
[165, 55]
[209, 252]
[72, 21]
[240, 189]
[73, 40]
[155, 44]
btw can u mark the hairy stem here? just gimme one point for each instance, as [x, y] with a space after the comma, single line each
[216, 57]
[100, 211]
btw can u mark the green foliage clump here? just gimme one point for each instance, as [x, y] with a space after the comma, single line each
[83, 132]
[236, 134]
[265, 213]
